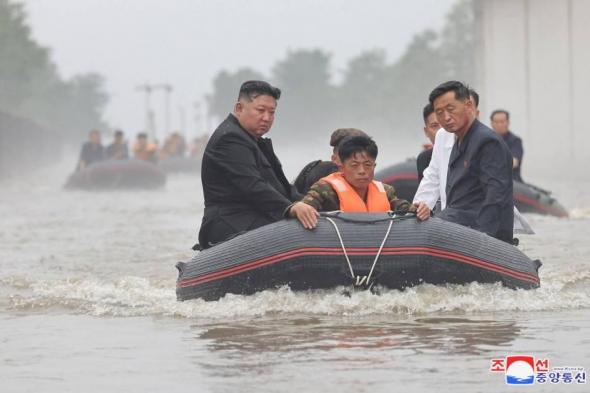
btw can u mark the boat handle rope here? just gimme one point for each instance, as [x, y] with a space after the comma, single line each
[365, 280]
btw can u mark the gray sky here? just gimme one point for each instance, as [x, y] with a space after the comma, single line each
[186, 42]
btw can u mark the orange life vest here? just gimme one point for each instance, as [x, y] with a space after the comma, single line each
[350, 200]
[145, 153]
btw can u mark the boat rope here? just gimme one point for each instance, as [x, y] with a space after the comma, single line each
[364, 280]
[380, 249]
[342, 245]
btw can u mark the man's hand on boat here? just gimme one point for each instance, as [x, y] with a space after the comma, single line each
[422, 211]
[306, 214]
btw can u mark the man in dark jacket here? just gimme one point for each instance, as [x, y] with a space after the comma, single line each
[501, 124]
[431, 128]
[91, 152]
[243, 181]
[479, 179]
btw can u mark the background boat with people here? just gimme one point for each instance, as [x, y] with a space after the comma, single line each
[117, 174]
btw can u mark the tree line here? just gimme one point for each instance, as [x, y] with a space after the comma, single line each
[31, 87]
[373, 94]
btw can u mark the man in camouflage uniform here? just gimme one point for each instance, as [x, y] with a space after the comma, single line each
[322, 197]
[355, 184]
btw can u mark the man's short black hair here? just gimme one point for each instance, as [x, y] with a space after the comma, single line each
[357, 144]
[252, 89]
[118, 133]
[142, 135]
[427, 111]
[494, 113]
[460, 89]
[475, 96]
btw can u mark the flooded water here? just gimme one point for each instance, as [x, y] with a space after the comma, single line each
[87, 304]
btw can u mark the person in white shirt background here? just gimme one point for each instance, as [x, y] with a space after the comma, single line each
[433, 185]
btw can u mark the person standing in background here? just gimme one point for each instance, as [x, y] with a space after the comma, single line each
[500, 119]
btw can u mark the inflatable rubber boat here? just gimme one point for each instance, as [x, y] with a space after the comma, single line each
[532, 199]
[358, 249]
[527, 197]
[181, 165]
[118, 174]
[403, 177]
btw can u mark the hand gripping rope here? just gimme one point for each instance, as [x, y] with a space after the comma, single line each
[361, 281]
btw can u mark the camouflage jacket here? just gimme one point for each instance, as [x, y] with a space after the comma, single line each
[322, 197]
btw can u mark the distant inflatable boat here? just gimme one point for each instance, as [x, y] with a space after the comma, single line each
[361, 249]
[118, 174]
[403, 177]
[181, 165]
[527, 198]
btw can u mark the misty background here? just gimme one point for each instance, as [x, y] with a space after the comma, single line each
[67, 67]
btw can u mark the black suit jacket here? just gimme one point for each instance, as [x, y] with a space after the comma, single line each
[422, 162]
[243, 184]
[479, 183]
[514, 143]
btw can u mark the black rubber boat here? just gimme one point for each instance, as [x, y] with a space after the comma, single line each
[118, 174]
[181, 165]
[403, 177]
[532, 199]
[412, 252]
[527, 197]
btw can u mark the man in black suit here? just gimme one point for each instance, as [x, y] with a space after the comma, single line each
[243, 181]
[479, 179]
[500, 119]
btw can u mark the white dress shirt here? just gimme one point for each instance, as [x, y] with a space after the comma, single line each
[433, 184]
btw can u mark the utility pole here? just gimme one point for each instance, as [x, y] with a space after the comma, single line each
[206, 117]
[182, 122]
[167, 88]
[197, 117]
[149, 114]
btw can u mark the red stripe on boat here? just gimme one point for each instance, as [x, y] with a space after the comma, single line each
[529, 201]
[449, 255]
[400, 176]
